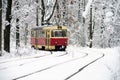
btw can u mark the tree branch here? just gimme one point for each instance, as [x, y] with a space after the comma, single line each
[52, 12]
[43, 11]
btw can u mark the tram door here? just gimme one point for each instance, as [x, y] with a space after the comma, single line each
[36, 38]
[47, 39]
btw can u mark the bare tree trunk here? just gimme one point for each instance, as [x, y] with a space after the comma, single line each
[52, 12]
[0, 27]
[37, 19]
[84, 10]
[90, 28]
[43, 12]
[58, 14]
[16, 3]
[7, 27]
[17, 34]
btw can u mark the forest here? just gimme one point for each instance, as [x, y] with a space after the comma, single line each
[91, 23]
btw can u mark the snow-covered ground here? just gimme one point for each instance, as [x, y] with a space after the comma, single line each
[77, 64]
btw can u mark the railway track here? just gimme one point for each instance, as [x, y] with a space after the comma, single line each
[82, 68]
[21, 63]
[57, 65]
[29, 61]
[24, 58]
[39, 57]
[52, 66]
[51, 52]
[61, 54]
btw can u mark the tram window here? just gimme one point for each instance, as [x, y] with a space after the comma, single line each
[41, 33]
[59, 33]
[32, 34]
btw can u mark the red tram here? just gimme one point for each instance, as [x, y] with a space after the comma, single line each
[49, 38]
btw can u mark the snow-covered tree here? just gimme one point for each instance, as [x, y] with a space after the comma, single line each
[48, 9]
[0, 26]
[105, 26]
[72, 13]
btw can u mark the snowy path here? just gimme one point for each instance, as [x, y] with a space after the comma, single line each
[50, 67]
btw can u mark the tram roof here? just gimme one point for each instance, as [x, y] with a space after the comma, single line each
[48, 27]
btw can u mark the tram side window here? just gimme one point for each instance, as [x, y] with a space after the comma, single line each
[41, 33]
[32, 33]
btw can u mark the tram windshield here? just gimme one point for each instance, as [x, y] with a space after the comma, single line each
[59, 33]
